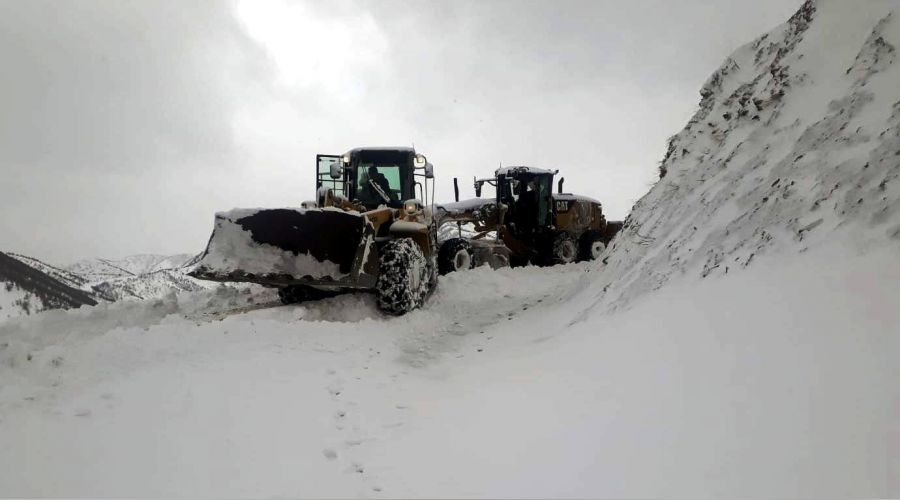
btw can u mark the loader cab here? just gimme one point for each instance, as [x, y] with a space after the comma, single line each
[374, 177]
[528, 194]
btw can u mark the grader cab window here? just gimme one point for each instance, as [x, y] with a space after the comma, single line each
[528, 197]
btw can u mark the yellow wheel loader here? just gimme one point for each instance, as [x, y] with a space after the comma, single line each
[369, 229]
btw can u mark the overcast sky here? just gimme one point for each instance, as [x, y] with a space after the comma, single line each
[125, 125]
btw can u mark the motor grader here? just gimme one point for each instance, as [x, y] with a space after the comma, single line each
[524, 223]
[367, 230]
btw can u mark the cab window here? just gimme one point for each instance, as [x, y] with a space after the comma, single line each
[378, 184]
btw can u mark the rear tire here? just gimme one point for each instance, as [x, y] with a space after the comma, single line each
[564, 250]
[455, 255]
[591, 246]
[403, 277]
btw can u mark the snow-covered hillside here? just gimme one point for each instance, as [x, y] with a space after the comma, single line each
[29, 287]
[97, 270]
[740, 340]
[796, 143]
[137, 277]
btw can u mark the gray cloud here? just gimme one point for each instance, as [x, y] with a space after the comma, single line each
[115, 85]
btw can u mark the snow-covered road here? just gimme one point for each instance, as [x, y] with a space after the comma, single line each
[744, 385]
[173, 397]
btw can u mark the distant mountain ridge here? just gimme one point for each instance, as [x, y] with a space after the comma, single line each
[29, 285]
[134, 265]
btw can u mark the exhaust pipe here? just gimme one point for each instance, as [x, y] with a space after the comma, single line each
[559, 186]
[455, 189]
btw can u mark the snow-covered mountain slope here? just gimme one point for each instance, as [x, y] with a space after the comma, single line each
[796, 142]
[25, 290]
[97, 270]
[137, 277]
[753, 356]
[64, 276]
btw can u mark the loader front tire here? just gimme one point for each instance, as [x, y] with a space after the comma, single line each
[455, 255]
[403, 277]
[564, 250]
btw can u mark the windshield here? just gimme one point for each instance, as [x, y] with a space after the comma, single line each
[380, 179]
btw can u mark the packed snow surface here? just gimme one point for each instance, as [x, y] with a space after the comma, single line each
[780, 382]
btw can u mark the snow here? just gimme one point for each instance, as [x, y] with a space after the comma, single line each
[97, 270]
[820, 163]
[136, 277]
[64, 276]
[465, 205]
[755, 384]
[12, 299]
[407, 226]
[531, 170]
[740, 340]
[574, 197]
[232, 249]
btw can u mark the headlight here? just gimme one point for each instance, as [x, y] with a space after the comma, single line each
[412, 206]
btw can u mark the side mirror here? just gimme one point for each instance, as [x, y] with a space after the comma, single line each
[420, 161]
[429, 170]
[335, 171]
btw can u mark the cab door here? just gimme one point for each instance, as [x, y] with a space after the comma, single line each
[323, 174]
[544, 185]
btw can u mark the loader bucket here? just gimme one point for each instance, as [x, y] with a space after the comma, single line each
[285, 246]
